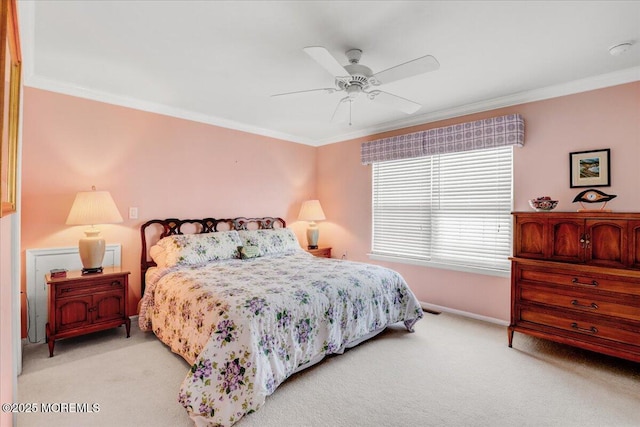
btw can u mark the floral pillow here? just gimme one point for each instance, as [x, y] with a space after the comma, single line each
[271, 241]
[189, 249]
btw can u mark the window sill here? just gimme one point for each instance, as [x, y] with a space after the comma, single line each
[444, 266]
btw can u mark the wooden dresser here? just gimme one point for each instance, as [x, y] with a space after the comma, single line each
[575, 279]
[80, 304]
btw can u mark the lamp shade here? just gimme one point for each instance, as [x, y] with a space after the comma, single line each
[311, 211]
[93, 207]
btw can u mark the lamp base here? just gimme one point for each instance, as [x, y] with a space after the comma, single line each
[91, 249]
[312, 235]
[91, 270]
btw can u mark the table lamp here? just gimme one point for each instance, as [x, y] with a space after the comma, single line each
[92, 208]
[311, 211]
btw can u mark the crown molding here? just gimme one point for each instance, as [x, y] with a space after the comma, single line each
[152, 107]
[583, 85]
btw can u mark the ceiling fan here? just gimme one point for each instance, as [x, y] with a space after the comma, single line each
[355, 79]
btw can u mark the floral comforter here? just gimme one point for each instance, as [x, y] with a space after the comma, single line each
[247, 325]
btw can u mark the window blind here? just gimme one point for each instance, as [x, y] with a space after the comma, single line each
[449, 208]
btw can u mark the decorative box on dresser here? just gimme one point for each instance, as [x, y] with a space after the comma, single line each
[80, 304]
[575, 279]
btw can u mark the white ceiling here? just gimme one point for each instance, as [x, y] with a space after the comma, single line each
[219, 62]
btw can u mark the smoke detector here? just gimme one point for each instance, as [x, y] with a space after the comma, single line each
[619, 49]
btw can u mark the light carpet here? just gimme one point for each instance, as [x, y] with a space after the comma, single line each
[452, 371]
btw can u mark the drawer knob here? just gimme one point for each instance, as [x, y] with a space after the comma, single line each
[591, 330]
[592, 306]
[115, 283]
[577, 281]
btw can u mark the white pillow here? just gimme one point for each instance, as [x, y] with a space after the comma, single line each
[190, 249]
[271, 241]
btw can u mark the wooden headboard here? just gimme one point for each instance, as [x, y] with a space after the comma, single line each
[154, 230]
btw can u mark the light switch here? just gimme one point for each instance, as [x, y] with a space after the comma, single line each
[133, 213]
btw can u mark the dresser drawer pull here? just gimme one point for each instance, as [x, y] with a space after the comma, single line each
[63, 290]
[115, 283]
[575, 281]
[591, 330]
[592, 306]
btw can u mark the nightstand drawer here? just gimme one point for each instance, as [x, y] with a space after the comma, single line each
[91, 287]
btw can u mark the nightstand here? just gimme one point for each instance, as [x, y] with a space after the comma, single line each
[324, 252]
[80, 304]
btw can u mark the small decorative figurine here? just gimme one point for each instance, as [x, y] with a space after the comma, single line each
[593, 196]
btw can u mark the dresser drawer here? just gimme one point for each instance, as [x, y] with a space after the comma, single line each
[582, 302]
[88, 287]
[579, 280]
[585, 326]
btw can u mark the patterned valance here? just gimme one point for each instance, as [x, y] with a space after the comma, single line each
[487, 133]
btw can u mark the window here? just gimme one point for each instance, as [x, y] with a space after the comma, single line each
[449, 209]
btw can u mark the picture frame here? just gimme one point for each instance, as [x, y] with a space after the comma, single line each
[10, 75]
[590, 168]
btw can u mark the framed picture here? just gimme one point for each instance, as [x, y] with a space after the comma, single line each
[10, 74]
[590, 168]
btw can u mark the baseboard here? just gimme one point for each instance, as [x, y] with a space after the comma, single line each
[436, 308]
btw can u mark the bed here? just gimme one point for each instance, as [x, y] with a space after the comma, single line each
[247, 307]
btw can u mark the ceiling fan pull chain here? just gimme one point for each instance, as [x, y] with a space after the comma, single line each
[350, 102]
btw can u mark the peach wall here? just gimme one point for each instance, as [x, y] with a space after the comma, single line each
[605, 118]
[167, 167]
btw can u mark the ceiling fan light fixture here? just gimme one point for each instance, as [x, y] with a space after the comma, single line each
[353, 90]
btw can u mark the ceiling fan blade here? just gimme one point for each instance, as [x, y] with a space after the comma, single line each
[326, 60]
[394, 101]
[408, 69]
[326, 90]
